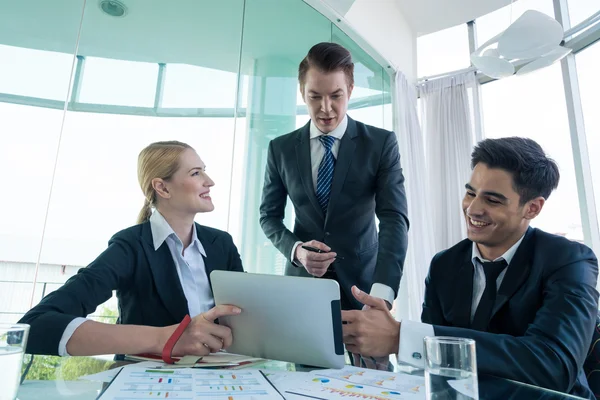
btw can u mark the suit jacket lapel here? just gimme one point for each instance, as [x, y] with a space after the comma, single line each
[165, 275]
[212, 260]
[305, 167]
[463, 288]
[517, 271]
[342, 164]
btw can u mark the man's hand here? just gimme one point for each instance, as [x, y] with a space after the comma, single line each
[315, 263]
[373, 331]
[388, 305]
[202, 336]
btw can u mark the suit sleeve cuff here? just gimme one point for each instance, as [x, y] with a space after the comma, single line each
[66, 336]
[410, 348]
[382, 291]
[295, 263]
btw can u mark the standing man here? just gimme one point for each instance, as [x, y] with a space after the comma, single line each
[340, 174]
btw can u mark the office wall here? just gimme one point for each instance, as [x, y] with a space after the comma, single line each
[383, 25]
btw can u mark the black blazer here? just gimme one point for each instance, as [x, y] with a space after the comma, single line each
[367, 182]
[148, 288]
[544, 316]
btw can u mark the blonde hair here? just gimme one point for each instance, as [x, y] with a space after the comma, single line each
[157, 160]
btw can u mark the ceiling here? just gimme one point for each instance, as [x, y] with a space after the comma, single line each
[204, 32]
[427, 16]
[196, 32]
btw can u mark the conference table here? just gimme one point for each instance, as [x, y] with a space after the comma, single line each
[72, 388]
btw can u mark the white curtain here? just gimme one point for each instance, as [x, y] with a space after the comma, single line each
[448, 128]
[420, 234]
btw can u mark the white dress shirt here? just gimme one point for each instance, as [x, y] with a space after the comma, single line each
[413, 332]
[317, 152]
[189, 264]
[190, 269]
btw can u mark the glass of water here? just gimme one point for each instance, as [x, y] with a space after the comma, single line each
[450, 368]
[13, 339]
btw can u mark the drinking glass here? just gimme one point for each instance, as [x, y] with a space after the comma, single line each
[13, 340]
[450, 368]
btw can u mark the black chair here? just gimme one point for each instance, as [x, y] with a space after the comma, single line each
[592, 362]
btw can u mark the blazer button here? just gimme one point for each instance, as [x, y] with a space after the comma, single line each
[327, 234]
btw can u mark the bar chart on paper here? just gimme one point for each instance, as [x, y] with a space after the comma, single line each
[135, 383]
[229, 384]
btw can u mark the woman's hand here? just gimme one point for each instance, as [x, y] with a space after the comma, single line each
[202, 336]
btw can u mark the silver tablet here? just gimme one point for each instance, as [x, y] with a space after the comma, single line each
[284, 318]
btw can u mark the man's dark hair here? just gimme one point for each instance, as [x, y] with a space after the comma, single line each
[327, 57]
[533, 173]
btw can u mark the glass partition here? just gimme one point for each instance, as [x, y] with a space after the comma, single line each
[221, 76]
[366, 103]
[271, 52]
[36, 62]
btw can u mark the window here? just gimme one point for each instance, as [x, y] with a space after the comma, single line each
[589, 86]
[99, 157]
[190, 86]
[533, 106]
[443, 51]
[28, 140]
[27, 149]
[34, 73]
[37, 64]
[366, 102]
[118, 82]
[579, 10]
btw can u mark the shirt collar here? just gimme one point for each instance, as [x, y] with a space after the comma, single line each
[337, 133]
[161, 230]
[507, 256]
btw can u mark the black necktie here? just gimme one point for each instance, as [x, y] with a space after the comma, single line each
[484, 310]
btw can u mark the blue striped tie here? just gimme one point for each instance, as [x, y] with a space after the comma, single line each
[325, 174]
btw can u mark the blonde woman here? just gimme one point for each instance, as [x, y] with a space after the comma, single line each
[159, 268]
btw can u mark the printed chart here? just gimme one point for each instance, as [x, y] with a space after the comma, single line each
[219, 383]
[336, 389]
[189, 384]
[359, 383]
[379, 379]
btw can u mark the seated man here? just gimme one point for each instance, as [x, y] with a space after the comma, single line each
[527, 297]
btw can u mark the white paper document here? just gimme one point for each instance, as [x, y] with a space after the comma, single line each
[108, 375]
[352, 382]
[288, 381]
[135, 383]
[398, 382]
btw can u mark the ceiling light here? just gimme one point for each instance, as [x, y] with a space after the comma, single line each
[546, 60]
[532, 35]
[532, 42]
[494, 67]
[113, 8]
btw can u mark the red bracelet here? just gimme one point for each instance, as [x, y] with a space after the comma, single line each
[168, 349]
